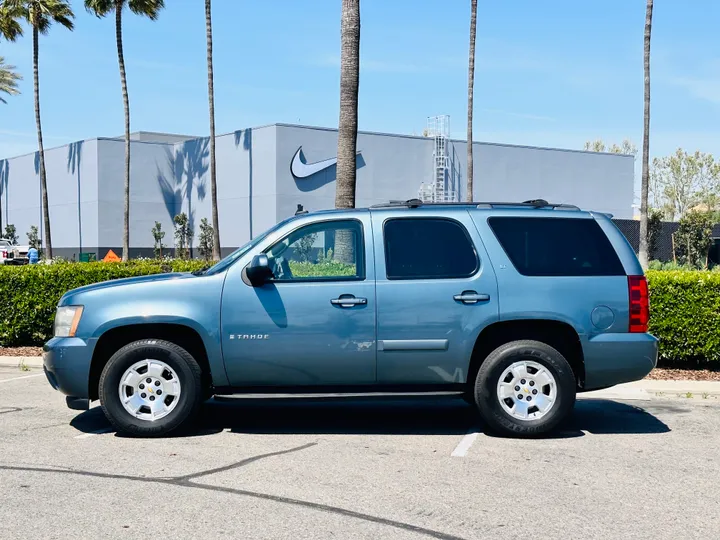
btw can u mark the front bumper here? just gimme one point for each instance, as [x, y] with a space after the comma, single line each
[66, 362]
[612, 359]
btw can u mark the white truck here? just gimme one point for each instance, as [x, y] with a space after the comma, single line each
[12, 253]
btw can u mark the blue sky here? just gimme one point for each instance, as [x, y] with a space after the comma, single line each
[550, 73]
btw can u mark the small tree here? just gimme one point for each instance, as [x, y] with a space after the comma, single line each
[11, 233]
[158, 235]
[34, 237]
[693, 239]
[183, 236]
[206, 241]
[304, 246]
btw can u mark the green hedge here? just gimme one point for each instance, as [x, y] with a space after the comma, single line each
[684, 305]
[685, 315]
[29, 294]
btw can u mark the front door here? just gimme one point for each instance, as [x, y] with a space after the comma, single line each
[436, 290]
[313, 324]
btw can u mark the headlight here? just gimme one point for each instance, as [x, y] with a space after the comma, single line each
[66, 320]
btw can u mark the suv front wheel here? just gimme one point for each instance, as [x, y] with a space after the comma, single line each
[524, 389]
[150, 388]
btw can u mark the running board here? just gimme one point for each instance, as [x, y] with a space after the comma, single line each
[325, 395]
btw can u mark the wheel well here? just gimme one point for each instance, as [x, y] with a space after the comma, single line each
[115, 338]
[559, 335]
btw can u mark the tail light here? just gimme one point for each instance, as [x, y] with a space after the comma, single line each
[639, 304]
[4, 254]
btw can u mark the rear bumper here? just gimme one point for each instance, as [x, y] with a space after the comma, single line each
[612, 359]
[66, 362]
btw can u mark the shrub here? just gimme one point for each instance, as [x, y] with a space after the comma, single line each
[685, 315]
[29, 294]
[659, 265]
[325, 267]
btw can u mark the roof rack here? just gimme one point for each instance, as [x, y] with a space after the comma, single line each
[534, 203]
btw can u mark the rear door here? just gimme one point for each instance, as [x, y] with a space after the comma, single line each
[436, 290]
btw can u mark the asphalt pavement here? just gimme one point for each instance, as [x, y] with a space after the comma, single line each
[358, 468]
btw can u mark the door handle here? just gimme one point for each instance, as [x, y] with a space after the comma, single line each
[471, 297]
[348, 300]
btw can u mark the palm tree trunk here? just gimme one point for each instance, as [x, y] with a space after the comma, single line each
[645, 180]
[126, 105]
[41, 151]
[471, 84]
[347, 129]
[349, 80]
[211, 104]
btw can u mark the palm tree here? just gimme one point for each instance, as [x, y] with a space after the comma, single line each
[150, 9]
[8, 79]
[211, 104]
[471, 84]
[347, 128]
[349, 79]
[645, 181]
[39, 14]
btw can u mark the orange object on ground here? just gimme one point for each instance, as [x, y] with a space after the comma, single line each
[111, 257]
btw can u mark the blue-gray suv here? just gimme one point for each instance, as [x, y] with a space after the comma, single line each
[514, 306]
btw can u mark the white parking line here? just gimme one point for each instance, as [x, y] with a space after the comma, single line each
[93, 433]
[465, 443]
[23, 377]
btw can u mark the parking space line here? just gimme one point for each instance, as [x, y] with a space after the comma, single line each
[93, 433]
[464, 445]
[23, 377]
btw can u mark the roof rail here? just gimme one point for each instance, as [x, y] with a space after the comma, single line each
[410, 203]
[534, 203]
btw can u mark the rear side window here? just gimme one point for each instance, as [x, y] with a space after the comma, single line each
[428, 248]
[557, 246]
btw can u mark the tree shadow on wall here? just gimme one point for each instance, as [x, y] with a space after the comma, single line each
[74, 159]
[245, 136]
[4, 180]
[188, 163]
[456, 176]
[41, 225]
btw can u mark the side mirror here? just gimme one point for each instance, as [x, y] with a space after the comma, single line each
[258, 272]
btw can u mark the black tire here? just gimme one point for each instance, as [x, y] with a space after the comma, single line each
[486, 392]
[184, 365]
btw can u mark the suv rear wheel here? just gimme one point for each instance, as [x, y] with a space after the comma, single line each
[150, 388]
[524, 389]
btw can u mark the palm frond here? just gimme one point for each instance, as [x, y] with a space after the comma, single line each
[38, 13]
[8, 79]
[147, 8]
[100, 8]
[10, 17]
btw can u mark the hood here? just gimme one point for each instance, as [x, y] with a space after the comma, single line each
[126, 282]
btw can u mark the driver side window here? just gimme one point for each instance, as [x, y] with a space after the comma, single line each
[330, 250]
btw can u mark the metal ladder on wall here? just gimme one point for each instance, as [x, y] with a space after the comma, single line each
[438, 127]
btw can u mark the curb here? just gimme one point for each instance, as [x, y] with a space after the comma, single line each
[649, 389]
[17, 361]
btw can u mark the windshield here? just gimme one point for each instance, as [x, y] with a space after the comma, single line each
[235, 255]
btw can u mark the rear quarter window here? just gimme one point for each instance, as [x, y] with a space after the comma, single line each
[540, 246]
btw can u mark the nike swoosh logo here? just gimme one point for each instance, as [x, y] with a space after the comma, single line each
[300, 169]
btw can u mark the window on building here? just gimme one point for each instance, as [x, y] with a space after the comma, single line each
[330, 250]
[428, 248]
[556, 246]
